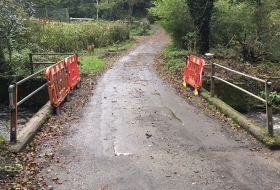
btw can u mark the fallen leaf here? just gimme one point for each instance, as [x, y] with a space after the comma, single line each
[103, 187]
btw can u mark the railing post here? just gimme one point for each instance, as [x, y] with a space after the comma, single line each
[13, 107]
[269, 108]
[212, 90]
[31, 63]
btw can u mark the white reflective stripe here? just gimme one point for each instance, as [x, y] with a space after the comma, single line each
[52, 70]
[61, 65]
[57, 68]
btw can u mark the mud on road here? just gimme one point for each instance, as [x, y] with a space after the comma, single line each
[134, 131]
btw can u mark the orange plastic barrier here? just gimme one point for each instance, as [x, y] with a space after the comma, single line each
[73, 71]
[194, 72]
[58, 87]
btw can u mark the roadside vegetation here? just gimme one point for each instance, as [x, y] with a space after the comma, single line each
[21, 34]
[46, 36]
[245, 30]
[244, 36]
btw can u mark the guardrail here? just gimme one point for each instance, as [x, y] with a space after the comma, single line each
[13, 104]
[57, 74]
[31, 61]
[267, 101]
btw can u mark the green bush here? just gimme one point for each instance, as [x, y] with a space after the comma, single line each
[69, 37]
[250, 29]
[2, 139]
[174, 17]
[137, 28]
[45, 36]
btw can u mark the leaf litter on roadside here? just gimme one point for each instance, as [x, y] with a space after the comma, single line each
[27, 165]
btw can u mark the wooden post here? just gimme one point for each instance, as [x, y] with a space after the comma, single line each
[269, 108]
[212, 90]
[31, 63]
[13, 129]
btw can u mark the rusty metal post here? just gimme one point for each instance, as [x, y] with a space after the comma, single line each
[31, 63]
[13, 107]
[269, 107]
[212, 90]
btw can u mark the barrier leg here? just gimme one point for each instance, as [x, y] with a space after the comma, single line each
[68, 98]
[78, 85]
[57, 111]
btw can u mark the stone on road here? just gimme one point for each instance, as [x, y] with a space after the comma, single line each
[137, 133]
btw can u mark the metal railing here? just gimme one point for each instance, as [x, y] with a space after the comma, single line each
[31, 61]
[267, 101]
[13, 104]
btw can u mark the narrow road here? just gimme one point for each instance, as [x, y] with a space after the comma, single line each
[137, 133]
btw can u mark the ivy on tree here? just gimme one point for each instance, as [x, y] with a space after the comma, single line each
[201, 12]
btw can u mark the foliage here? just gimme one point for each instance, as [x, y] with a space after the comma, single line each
[12, 13]
[141, 28]
[171, 51]
[175, 18]
[69, 37]
[89, 64]
[94, 62]
[104, 9]
[45, 36]
[176, 63]
[250, 28]
[201, 12]
[2, 140]
[175, 57]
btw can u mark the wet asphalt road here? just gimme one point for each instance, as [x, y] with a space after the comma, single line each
[136, 133]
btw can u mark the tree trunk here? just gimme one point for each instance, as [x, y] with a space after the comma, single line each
[97, 10]
[201, 12]
[2, 60]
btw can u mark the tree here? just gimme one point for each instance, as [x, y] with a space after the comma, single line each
[201, 11]
[11, 14]
[174, 16]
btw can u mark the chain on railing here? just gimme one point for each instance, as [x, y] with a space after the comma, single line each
[267, 101]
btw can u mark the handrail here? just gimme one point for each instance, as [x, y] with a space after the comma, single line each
[31, 62]
[13, 104]
[267, 100]
[235, 86]
[237, 72]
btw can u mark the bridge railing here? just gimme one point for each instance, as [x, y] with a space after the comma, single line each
[13, 102]
[267, 100]
[44, 63]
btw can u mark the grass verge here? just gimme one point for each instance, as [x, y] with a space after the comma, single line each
[98, 59]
